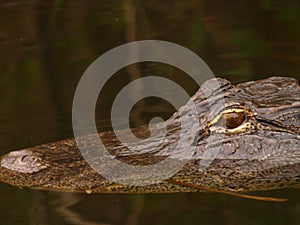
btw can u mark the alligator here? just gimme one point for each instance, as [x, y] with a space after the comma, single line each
[246, 138]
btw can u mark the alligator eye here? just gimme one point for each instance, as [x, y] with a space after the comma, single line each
[232, 120]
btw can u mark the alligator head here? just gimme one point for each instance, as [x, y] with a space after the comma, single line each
[246, 138]
[252, 134]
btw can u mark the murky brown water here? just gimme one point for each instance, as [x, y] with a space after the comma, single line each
[45, 48]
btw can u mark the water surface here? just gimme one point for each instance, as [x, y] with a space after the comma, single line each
[46, 47]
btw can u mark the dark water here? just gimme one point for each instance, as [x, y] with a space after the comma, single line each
[47, 45]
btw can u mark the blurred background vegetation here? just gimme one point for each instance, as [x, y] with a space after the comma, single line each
[47, 45]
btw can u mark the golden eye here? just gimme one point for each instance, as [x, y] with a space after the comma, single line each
[232, 120]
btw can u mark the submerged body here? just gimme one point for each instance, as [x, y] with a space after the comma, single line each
[255, 127]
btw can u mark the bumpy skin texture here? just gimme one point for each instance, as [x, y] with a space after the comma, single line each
[262, 153]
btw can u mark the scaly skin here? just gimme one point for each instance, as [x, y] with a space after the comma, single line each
[260, 152]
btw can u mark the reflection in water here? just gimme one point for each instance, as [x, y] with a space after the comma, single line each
[68, 208]
[38, 210]
[64, 204]
[137, 209]
[133, 70]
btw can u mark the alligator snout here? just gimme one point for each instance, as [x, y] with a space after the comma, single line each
[22, 161]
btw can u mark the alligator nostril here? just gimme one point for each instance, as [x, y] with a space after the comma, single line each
[23, 158]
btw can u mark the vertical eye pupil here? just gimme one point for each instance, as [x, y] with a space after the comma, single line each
[233, 119]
